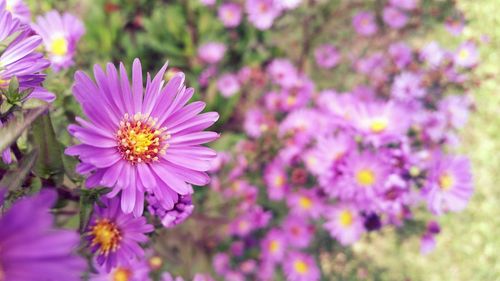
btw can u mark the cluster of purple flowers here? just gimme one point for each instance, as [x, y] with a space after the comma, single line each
[345, 163]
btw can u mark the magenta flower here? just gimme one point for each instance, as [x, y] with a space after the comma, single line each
[274, 246]
[230, 14]
[466, 55]
[228, 85]
[344, 224]
[433, 54]
[31, 249]
[306, 203]
[60, 34]
[327, 56]
[401, 53]
[394, 18]
[407, 86]
[364, 23]
[449, 185]
[178, 214]
[257, 123]
[207, 2]
[298, 231]
[17, 8]
[115, 236]
[211, 52]
[405, 4]
[262, 13]
[139, 140]
[135, 270]
[288, 4]
[455, 26]
[301, 267]
[283, 72]
[276, 180]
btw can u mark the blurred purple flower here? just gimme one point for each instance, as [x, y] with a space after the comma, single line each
[178, 214]
[394, 17]
[301, 267]
[134, 270]
[262, 13]
[345, 224]
[228, 85]
[364, 23]
[327, 56]
[230, 14]
[405, 4]
[466, 55]
[212, 52]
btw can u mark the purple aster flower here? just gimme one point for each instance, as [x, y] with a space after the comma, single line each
[202, 277]
[301, 125]
[17, 8]
[466, 55]
[60, 34]
[394, 18]
[211, 52]
[115, 236]
[401, 53]
[274, 246]
[283, 72]
[31, 249]
[257, 122]
[327, 151]
[364, 23]
[208, 2]
[139, 140]
[207, 74]
[298, 231]
[363, 179]
[276, 180]
[345, 224]
[221, 263]
[254, 218]
[19, 58]
[135, 270]
[178, 214]
[455, 26]
[262, 13]
[327, 56]
[405, 4]
[407, 86]
[288, 4]
[228, 85]
[298, 96]
[427, 244]
[456, 108]
[433, 54]
[305, 202]
[449, 185]
[166, 276]
[300, 267]
[230, 14]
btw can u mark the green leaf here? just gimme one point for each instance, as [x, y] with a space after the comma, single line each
[14, 178]
[16, 126]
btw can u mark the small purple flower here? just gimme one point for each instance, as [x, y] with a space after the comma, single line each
[401, 53]
[288, 4]
[433, 54]
[427, 244]
[394, 17]
[178, 214]
[211, 52]
[140, 139]
[228, 85]
[364, 23]
[166, 276]
[466, 55]
[276, 180]
[301, 267]
[208, 2]
[135, 270]
[327, 56]
[256, 123]
[262, 13]
[274, 246]
[449, 185]
[298, 231]
[283, 72]
[60, 34]
[230, 14]
[305, 202]
[455, 26]
[31, 249]
[405, 4]
[345, 224]
[221, 263]
[115, 236]
[407, 86]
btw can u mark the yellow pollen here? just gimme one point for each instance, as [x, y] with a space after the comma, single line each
[279, 180]
[243, 225]
[378, 125]
[345, 218]
[291, 100]
[122, 274]
[365, 177]
[139, 141]
[274, 246]
[263, 127]
[300, 267]
[463, 54]
[311, 160]
[106, 235]
[446, 181]
[155, 262]
[305, 202]
[59, 46]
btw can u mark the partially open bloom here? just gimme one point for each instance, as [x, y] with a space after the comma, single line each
[230, 14]
[364, 23]
[60, 34]
[345, 224]
[115, 236]
[301, 267]
[18, 8]
[31, 249]
[327, 56]
[139, 140]
[450, 184]
[211, 52]
[136, 270]
[178, 214]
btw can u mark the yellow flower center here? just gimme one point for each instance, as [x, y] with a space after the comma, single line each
[59, 46]
[9, 7]
[300, 267]
[291, 100]
[279, 180]
[305, 202]
[106, 235]
[122, 274]
[378, 125]
[312, 161]
[155, 262]
[346, 218]
[463, 54]
[4, 83]
[446, 181]
[274, 246]
[139, 141]
[365, 177]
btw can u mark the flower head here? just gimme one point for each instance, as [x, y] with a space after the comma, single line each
[364, 23]
[345, 223]
[178, 214]
[228, 85]
[466, 55]
[261, 13]
[141, 140]
[274, 246]
[60, 34]
[211, 52]
[114, 236]
[298, 231]
[394, 17]
[230, 14]
[301, 267]
[135, 270]
[327, 56]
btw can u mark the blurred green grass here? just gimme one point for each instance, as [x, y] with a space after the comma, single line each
[469, 246]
